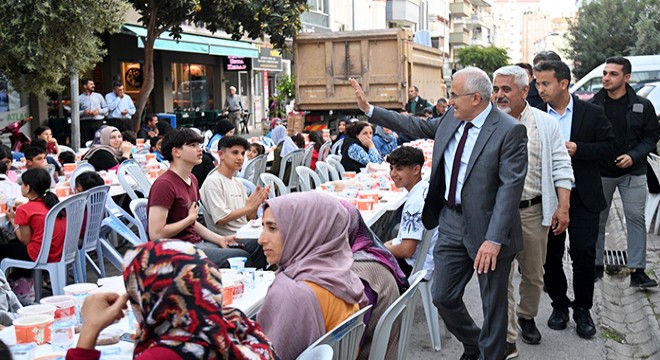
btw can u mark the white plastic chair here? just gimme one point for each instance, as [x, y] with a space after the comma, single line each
[653, 200]
[337, 165]
[64, 148]
[326, 171]
[291, 160]
[431, 312]
[324, 151]
[81, 168]
[309, 179]
[402, 308]
[333, 156]
[132, 168]
[207, 217]
[249, 186]
[260, 163]
[139, 210]
[276, 185]
[336, 148]
[307, 158]
[74, 207]
[321, 352]
[345, 338]
[96, 200]
[255, 168]
[116, 224]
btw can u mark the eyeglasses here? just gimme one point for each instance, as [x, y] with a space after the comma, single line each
[455, 95]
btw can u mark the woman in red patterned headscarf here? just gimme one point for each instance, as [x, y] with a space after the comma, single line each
[176, 294]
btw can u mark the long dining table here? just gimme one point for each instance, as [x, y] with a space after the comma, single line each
[250, 303]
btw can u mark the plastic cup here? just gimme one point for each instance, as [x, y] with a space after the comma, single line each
[366, 204]
[69, 167]
[349, 174]
[66, 308]
[37, 310]
[249, 277]
[79, 292]
[62, 191]
[139, 142]
[62, 335]
[33, 329]
[227, 296]
[23, 351]
[237, 263]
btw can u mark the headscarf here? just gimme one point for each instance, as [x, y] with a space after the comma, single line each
[279, 135]
[275, 122]
[104, 145]
[366, 246]
[381, 132]
[314, 229]
[176, 294]
[223, 127]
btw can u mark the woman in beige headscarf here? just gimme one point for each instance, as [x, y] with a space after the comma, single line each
[110, 152]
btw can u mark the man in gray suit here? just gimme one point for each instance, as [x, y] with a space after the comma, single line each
[479, 168]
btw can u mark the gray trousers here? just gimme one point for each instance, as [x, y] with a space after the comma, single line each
[235, 118]
[633, 192]
[453, 271]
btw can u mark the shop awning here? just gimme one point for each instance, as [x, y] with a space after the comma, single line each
[194, 43]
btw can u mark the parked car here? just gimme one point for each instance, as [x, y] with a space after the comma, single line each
[651, 91]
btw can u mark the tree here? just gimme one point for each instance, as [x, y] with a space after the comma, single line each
[286, 90]
[648, 32]
[44, 41]
[279, 19]
[607, 28]
[487, 59]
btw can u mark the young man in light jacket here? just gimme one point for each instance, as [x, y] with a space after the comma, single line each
[545, 198]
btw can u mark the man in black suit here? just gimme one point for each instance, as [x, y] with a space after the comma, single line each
[589, 137]
[533, 97]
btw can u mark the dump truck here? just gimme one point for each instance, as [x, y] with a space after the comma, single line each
[385, 62]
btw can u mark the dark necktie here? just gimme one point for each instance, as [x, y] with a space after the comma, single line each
[451, 200]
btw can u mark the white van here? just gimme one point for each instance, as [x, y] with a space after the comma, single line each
[645, 68]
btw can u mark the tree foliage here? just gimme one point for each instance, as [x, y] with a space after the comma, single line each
[488, 58]
[45, 40]
[278, 19]
[607, 28]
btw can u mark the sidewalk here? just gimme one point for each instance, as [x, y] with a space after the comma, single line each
[626, 318]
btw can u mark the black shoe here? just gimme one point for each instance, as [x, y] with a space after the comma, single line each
[558, 319]
[530, 333]
[511, 351]
[639, 279]
[598, 274]
[466, 356]
[585, 327]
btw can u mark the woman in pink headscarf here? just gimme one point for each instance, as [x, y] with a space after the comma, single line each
[314, 288]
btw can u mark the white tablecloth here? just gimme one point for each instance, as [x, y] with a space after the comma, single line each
[250, 303]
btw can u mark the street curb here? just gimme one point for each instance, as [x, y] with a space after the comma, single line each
[628, 319]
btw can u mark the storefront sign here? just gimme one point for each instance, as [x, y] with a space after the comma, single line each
[236, 63]
[12, 116]
[268, 59]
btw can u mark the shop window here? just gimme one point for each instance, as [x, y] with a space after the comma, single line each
[192, 87]
[9, 99]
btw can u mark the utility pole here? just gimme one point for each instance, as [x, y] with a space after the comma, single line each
[75, 112]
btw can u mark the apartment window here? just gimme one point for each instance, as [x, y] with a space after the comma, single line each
[318, 6]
